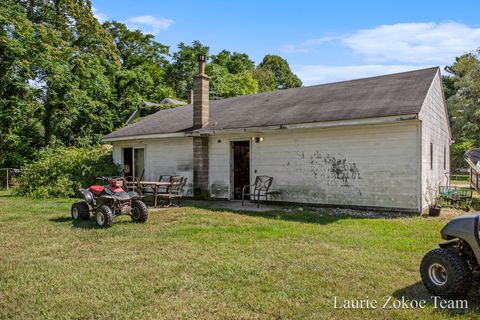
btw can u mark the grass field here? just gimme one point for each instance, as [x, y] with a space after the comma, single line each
[194, 263]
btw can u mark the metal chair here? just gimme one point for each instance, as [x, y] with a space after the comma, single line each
[131, 183]
[260, 189]
[164, 178]
[175, 191]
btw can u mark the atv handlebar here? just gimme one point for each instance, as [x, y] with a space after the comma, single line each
[108, 179]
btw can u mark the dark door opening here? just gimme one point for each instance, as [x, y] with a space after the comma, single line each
[127, 162]
[241, 167]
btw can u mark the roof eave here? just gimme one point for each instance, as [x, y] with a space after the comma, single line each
[324, 124]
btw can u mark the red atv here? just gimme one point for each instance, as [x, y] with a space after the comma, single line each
[109, 201]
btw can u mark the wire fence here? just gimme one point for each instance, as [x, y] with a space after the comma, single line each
[8, 177]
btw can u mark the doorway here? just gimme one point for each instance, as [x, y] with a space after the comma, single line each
[127, 162]
[133, 162]
[240, 167]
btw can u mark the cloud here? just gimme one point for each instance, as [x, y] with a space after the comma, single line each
[388, 49]
[101, 17]
[316, 74]
[149, 23]
[290, 48]
[306, 45]
[414, 42]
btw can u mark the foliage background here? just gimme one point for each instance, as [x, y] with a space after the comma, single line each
[67, 80]
[60, 172]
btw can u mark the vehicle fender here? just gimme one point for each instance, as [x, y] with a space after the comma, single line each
[87, 195]
[133, 195]
[465, 228]
[448, 243]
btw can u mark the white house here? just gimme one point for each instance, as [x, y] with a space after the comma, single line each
[380, 142]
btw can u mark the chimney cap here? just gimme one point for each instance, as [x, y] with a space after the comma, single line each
[201, 58]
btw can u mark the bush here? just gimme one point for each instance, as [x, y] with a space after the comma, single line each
[60, 172]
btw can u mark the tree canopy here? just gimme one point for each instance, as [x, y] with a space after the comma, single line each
[462, 91]
[284, 77]
[67, 79]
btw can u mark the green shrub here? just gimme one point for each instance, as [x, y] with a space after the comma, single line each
[60, 172]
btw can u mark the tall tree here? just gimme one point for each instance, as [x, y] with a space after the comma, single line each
[234, 62]
[19, 129]
[180, 73]
[142, 74]
[462, 89]
[265, 78]
[224, 84]
[75, 61]
[284, 77]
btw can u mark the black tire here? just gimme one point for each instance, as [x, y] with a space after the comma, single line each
[104, 217]
[445, 273]
[139, 211]
[80, 210]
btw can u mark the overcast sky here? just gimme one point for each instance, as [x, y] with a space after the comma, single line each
[324, 41]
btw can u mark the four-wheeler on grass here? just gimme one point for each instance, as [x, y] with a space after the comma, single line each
[448, 270]
[107, 202]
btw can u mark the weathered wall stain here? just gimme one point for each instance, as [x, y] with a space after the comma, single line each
[219, 189]
[327, 167]
[185, 167]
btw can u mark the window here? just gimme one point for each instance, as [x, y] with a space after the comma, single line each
[133, 162]
[431, 155]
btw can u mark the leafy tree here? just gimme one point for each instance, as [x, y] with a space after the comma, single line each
[265, 78]
[225, 85]
[235, 63]
[462, 90]
[184, 66]
[284, 77]
[19, 130]
[141, 77]
[67, 80]
[75, 60]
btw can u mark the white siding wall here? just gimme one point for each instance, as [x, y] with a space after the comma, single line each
[364, 166]
[435, 130]
[172, 156]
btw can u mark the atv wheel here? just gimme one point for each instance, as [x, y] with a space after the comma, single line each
[80, 210]
[139, 211]
[445, 273]
[104, 217]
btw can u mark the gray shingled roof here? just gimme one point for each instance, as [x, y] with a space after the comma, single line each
[389, 95]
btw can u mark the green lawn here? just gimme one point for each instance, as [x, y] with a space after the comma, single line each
[460, 179]
[198, 263]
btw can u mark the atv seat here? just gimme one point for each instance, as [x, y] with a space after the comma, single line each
[96, 189]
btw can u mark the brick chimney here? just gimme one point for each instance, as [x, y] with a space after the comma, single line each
[200, 120]
[200, 96]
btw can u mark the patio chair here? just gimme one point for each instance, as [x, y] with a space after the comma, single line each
[260, 189]
[137, 187]
[175, 191]
[131, 183]
[164, 178]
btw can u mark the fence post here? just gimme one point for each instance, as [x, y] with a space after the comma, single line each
[7, 178]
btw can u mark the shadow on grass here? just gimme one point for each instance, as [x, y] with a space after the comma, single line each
[418, 292]
[85, 224]
[313, 217]
[81, 224]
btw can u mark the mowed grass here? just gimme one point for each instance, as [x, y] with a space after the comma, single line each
[193, 263]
